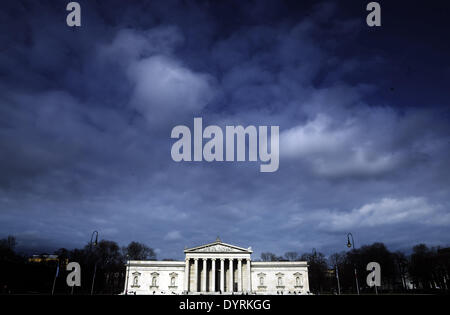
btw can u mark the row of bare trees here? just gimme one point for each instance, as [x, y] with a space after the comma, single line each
[19, 274]
[424, 269]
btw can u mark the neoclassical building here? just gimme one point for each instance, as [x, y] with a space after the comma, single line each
[216, 268]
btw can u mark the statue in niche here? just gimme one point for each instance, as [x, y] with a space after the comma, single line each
[280, 281]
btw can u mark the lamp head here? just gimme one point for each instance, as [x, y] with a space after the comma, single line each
[349, 244]
[96, 238]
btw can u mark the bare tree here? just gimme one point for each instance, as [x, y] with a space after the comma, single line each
[269, 257]
[291, 256]
[138, 251]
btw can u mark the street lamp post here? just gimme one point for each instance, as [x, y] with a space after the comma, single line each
[56, 275]
[93, 278]
[95, 267]
[336, 269]
[337, 278]
[349, 245]
[126, 276]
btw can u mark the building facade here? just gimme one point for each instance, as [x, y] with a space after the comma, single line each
[216, 268]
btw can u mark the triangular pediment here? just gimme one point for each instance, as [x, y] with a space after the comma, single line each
[217, 247]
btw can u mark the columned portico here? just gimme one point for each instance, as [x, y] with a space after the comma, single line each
[225, 278]
[210, 278]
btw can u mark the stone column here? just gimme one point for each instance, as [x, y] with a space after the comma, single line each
[213, 275]
[186, 275]
[195, 288]
[231, 276]
[222, 275]
[203, 275]
[239, 275]
[249, 275]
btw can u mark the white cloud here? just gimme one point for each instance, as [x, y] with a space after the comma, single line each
[130, 45]
[163, 88]
[353, 146]
[173, 236]
[359, 162]
[387, 211]
[316, 136]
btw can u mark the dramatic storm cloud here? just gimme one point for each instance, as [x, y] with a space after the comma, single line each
[86, 116]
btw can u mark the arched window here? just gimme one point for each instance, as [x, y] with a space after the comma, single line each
[261, 280]
[154, 279]
[280, 281]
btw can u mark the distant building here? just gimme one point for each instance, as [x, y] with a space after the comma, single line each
[43, 258]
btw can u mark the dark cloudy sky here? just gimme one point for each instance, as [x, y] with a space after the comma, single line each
[86, 115]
